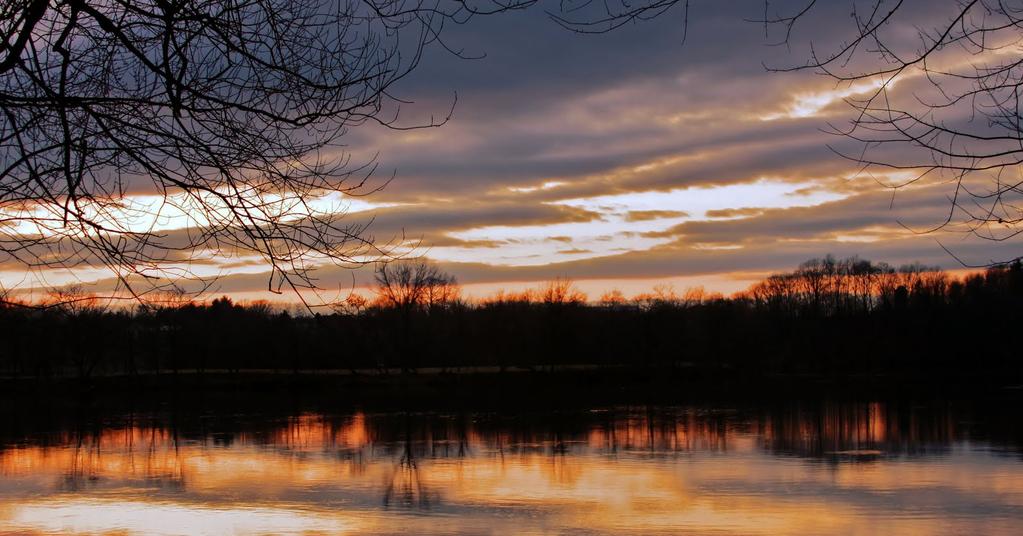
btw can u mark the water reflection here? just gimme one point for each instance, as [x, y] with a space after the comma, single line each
[799, 469]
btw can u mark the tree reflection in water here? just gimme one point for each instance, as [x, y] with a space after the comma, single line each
[645, 469]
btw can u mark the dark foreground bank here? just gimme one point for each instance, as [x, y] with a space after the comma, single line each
[478, 390]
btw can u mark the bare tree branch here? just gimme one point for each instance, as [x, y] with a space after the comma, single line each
[125, 126]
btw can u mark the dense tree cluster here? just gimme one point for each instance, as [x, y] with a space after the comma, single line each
[828, 286]
[828, 316]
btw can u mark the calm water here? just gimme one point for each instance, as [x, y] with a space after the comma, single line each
[865, 468]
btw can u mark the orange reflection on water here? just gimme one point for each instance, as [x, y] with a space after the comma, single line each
[835, 470]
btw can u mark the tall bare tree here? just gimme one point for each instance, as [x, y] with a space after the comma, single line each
[407, 287]
[414, 284]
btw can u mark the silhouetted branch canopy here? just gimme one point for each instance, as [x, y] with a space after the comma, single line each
[145, 136]
[935, 91]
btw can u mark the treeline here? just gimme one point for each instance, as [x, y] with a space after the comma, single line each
[828, 316]
[828, 286]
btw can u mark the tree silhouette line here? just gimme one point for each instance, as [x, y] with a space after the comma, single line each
[828, 316]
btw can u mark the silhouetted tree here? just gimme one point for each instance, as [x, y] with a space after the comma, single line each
[560, 291]
[613, 299]
[410, 287]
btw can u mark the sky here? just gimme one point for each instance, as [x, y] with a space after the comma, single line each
[627, 159]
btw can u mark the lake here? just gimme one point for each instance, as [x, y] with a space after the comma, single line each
[875, 467]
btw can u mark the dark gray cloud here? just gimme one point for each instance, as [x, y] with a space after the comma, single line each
[549, 103]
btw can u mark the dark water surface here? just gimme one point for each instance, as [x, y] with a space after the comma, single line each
[795, 468]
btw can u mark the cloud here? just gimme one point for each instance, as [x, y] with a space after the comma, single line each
[644, 215]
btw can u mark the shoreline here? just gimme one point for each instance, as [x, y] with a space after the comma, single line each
[486, 387]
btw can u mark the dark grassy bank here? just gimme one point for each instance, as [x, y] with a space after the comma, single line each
[533, 404]
[895, 422]
[516, 389]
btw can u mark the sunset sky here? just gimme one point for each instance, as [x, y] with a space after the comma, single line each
[624, 160]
